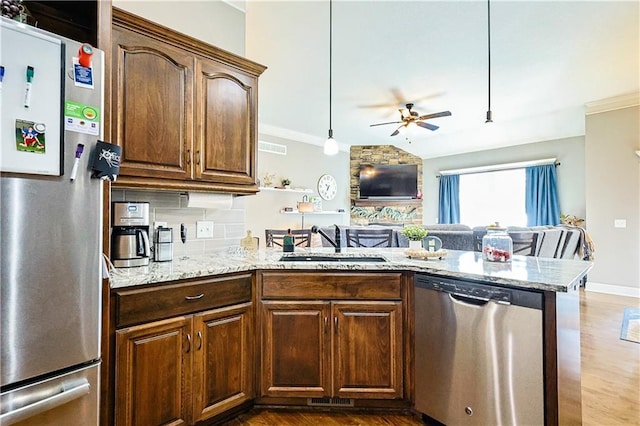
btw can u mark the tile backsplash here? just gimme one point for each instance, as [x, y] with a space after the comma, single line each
[171, 207]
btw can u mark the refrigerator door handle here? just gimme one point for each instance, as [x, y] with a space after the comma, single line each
[45, 404]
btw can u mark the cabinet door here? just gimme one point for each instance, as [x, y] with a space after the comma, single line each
[153, 373]
[296, 349]
[223, 371]
[367, 350]
[226, 107]
[152, 106]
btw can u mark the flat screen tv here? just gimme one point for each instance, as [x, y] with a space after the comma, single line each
[389, 181]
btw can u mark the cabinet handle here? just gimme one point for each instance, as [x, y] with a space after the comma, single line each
[189, 342]
[199, 340]
[200, 296]
[326, 325]
[335, 324]
[198, 157]
[188, 156]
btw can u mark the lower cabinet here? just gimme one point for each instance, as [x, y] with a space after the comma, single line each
[333, 347]
[153, 373]
[327, 349]
[185, 369]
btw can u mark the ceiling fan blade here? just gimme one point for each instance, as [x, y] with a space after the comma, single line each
[397, 130]
[427, 125]
[383, 124]
[435, 115]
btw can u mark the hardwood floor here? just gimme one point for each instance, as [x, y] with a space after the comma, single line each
[284, 418]
[610, 366]
[610, 377]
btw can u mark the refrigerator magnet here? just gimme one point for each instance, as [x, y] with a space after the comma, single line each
[30, 136]
[81, 118]
[82, 75]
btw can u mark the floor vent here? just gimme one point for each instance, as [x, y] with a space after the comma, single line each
[273, 148]
[330, 402]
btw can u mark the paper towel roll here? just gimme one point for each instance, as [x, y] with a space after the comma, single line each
[209, 201]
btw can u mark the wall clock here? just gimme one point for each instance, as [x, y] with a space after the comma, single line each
[327, 187]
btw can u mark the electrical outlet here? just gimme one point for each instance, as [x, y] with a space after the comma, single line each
[204, 229]
[159, 224]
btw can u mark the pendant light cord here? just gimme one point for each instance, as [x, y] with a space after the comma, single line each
[489, 113]
[330, 62]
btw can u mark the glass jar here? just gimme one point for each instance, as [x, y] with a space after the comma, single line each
[497, 245]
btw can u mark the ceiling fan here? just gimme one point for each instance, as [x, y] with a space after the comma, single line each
[408, 116]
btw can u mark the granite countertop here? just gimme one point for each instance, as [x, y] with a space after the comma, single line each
[525, 272]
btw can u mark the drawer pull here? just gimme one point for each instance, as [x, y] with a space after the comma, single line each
[200, 296]
[199, 340]
[189, 342]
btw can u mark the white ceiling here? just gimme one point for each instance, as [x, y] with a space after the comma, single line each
[548, 58]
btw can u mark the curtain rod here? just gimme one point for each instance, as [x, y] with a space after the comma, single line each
[498, 167]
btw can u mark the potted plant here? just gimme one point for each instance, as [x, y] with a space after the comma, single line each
[415, 234]
[286, 182]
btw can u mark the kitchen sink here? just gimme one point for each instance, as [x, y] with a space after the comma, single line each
[322, 258]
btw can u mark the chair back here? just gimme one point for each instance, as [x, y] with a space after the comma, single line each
[369, 237]
[524, 242]
[275, 237]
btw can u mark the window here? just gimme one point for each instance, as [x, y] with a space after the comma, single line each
[489, 197]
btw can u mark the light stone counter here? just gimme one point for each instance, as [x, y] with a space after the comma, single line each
[522, 272]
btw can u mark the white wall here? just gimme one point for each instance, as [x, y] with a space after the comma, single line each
[213, 22]
[571, 172]
[303, 164]
[613, 192]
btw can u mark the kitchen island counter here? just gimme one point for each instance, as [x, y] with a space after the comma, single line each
[526, 272]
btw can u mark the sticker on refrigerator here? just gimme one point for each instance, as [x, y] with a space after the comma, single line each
[81, 118]
[82, 76]
[30, 136]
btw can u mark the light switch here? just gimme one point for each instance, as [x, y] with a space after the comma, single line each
[620, 223]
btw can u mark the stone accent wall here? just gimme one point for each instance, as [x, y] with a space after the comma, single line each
[389, 212]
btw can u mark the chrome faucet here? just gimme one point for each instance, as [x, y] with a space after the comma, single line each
[336, 243]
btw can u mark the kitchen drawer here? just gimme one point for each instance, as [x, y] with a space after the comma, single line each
[136, 306]
[331, 285]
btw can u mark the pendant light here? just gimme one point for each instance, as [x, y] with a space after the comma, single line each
[489, 113]
[330, 145]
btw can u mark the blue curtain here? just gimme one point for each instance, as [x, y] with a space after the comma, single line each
[449, 199]
[541, 193]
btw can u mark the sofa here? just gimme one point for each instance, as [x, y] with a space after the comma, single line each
[453, 236]
[560, 241]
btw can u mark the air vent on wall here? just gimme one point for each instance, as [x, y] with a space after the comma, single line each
[273, 148]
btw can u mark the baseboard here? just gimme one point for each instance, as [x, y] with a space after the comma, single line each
[618, 290]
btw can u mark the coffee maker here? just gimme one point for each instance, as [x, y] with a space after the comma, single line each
[130, 234]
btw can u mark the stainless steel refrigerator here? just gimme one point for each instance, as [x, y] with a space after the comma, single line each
[51, 238]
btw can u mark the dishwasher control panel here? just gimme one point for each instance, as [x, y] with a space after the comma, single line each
[480, 292]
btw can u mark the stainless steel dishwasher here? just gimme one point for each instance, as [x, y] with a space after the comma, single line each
[478, 353]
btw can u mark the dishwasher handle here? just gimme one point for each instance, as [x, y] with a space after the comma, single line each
[472, 300]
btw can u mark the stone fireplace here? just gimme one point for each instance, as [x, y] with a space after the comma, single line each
[396, 212]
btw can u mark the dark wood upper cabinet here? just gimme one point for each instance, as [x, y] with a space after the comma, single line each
[225, 100]
[152, 114]
[184, 112]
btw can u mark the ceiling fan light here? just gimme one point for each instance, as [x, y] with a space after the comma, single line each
[330, 145]
[489, 117]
